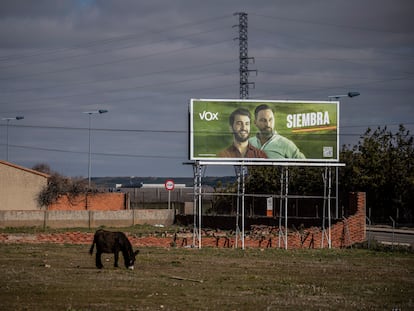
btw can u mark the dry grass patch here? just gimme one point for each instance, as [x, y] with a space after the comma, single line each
[64, 277]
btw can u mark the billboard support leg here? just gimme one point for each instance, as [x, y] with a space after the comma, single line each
[243, 169]
[329, 207]
[240, 173]
[324, 207]
[286, 206]
[326, 212]
[280, 233]
[337, 192]
[284, 192]
[197, 204]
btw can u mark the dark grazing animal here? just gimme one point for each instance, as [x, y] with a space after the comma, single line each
[113, 242]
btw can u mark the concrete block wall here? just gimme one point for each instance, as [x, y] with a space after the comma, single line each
[21, 218]
[85, 219]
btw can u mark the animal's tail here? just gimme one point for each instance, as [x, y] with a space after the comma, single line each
[92, 246]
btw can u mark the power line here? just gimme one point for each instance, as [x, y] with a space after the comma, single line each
[98, 129]
[117, 61]
[98, 153]
[128, 37]
[144, 74]
[82, 94]
[176, 131]
[326, 24]
[101, 51]
[120, 154]
[331, 44]
[342, 86]
[124, 89]
[134, 98]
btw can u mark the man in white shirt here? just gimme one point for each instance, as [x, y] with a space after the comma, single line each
[267, 139]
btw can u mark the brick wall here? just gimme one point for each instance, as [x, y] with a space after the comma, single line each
[92, 202]
[343, 233]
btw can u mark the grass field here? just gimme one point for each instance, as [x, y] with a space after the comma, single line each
[63, 277]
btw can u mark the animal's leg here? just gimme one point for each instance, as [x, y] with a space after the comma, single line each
[269, 243]
[261, 240]
[98, 261]
[116, 255]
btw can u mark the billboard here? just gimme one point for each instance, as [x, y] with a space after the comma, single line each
[264, 130]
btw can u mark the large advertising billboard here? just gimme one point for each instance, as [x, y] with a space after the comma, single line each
[264, 130]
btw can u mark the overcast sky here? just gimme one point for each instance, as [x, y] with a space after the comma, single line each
[144, 60]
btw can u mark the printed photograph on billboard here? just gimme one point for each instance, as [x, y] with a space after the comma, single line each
[263, 130]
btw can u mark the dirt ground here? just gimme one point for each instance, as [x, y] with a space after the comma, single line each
[136, 241]
[54, 271]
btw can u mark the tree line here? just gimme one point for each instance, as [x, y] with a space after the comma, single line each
[380, 164]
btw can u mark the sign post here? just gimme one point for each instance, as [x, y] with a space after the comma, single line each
[169, 186]
[269, 209]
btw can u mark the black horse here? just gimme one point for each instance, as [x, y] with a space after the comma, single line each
[113, 242]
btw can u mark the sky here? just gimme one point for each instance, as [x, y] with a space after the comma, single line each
[143, 61]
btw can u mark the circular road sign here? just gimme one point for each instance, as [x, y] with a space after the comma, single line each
[169, 185]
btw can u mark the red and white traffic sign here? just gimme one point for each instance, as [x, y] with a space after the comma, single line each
[169, 185]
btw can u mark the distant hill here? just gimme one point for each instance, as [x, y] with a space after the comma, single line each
[110, 182]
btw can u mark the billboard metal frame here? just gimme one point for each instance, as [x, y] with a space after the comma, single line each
[200, 162]
[284, 197]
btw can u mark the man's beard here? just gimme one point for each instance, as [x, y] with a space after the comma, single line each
[267, 132]
[241, 137]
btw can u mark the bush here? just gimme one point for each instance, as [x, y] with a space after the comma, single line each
[59, 185]
[381, 247]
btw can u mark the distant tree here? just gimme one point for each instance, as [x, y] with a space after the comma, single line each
[224, 204]
[43, 168]
[382, 165]
[263, 179]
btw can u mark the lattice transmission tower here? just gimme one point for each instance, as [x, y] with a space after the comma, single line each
[244, 57]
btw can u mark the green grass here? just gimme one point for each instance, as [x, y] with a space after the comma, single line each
[63, 277]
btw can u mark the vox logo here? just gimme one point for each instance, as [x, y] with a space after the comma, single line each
[208, 116]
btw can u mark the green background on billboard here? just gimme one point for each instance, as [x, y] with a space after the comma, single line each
[210, 137]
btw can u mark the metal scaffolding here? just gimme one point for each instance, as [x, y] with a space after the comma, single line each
[197, 206]
[241, 168]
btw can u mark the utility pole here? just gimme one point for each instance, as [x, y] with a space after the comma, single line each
[7, 132]
[244, 57]
[244, 94]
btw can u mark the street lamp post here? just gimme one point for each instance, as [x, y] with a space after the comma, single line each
[7, 132]
[90, 113]
[337, 97]
[349, 94]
